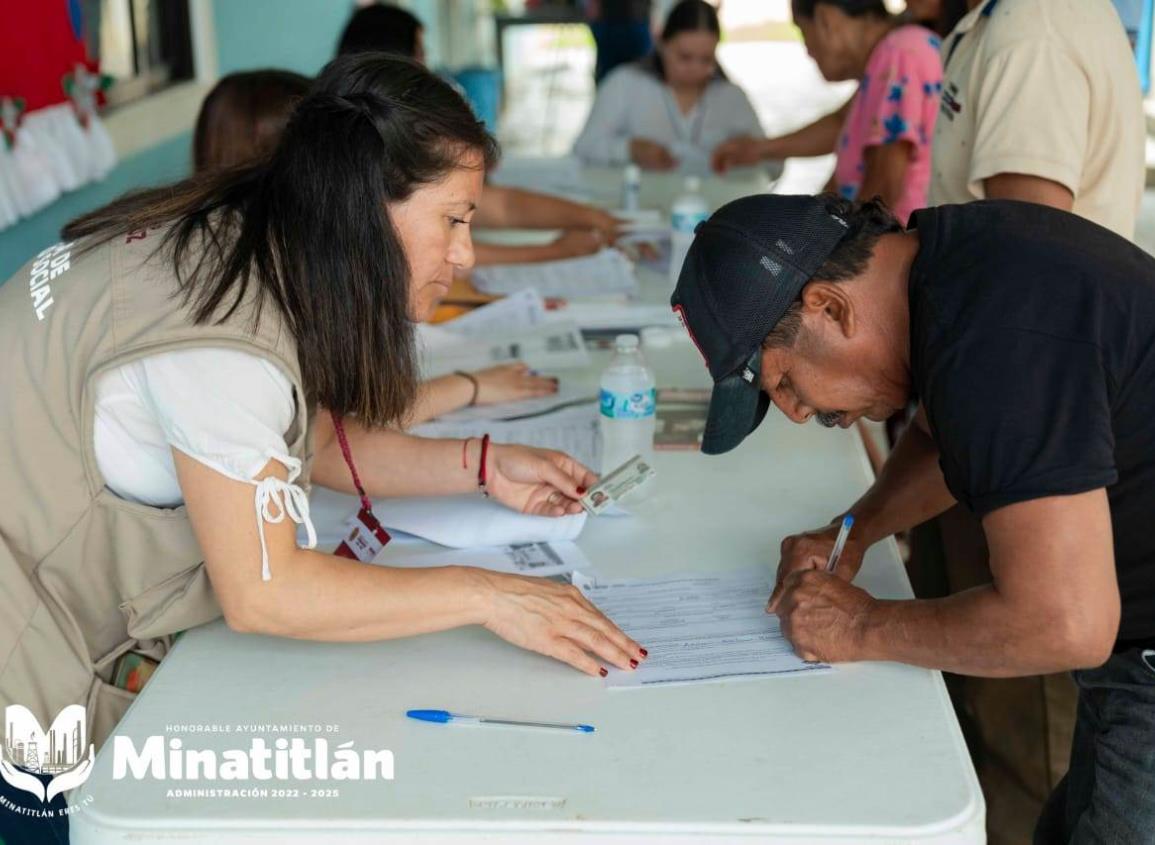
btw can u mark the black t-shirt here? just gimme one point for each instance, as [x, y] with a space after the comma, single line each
[1033, 350]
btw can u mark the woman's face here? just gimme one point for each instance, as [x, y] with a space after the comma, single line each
[688, 58]
[828, 39]
[433, 225]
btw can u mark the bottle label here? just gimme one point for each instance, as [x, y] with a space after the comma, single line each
[687, 223]
[628, 406]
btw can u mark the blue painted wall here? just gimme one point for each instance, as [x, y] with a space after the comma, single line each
[300, 35]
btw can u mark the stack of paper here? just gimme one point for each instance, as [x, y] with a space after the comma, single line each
[549, 347]
[697, 628]
[521, 310]
[605, 272]
[567, 396]
[573, 430]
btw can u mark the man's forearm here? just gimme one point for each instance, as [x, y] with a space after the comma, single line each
[909, 490]
[975, 632]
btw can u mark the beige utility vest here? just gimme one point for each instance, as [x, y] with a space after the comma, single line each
[84, 575]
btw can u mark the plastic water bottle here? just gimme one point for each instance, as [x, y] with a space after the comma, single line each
[688, 211]
[632, 188]
[627, 405]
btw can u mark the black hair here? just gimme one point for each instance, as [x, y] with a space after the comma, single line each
[686, 16]
[243, 116]
[866, 222]
[383, 28]
[853, 8]
[309, 227]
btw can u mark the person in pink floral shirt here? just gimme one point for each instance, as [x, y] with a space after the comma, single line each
[895, 107]
[882, 135]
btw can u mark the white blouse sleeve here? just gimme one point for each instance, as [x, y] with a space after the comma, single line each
[605, 140]
[230, 410]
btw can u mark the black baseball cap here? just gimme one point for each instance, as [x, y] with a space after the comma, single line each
[746, 266]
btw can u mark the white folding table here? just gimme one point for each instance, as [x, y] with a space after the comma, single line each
[865, 753]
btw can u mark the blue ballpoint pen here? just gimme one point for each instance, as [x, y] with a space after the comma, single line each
[843, 533]
[445, 717]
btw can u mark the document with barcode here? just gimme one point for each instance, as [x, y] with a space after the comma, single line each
[697, 628]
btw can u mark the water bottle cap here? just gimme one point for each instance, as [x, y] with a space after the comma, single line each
[626, 342]
[633, 173]
[693, 184]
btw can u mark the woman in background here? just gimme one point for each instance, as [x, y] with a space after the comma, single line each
[240, 122]
[673, 108]
[385, 28]
[882, 137]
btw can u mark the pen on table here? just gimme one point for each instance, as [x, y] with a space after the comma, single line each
[444, 717]
[840, 543]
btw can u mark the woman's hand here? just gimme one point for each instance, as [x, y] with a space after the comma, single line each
[536, 481]
[558, 621]
[651, 155]
[606, 223]
[511, 383]
[574, 242]
[737, 152]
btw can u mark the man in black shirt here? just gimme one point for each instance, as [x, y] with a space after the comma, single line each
[1028, 334]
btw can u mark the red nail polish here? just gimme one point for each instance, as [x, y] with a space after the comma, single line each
[603, 671]
[644, 652]
[633, 664]
[581, 491]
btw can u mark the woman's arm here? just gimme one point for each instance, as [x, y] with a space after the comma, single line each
[503, 383]
[814, 139]
[515, 208]
[569, 244]
[391, 463]
[884, 173]
[317, 596]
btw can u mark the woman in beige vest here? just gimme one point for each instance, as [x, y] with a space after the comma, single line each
[316, 263]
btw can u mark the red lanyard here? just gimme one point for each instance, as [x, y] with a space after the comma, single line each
[339, 427]
[368, 536]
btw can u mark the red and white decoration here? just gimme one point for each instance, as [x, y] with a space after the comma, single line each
[51, 136]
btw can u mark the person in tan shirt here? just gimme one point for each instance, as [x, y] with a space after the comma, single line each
[1041, 103]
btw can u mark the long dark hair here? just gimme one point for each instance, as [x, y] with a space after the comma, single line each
[686, 16]
[853, 8]
[310, 229]
[381, 27]
[243, 116]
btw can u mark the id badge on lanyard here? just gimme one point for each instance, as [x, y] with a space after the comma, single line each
[365, 536]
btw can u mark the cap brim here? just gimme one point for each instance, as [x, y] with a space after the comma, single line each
[736, 409]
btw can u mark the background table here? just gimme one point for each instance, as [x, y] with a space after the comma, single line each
[869, 752]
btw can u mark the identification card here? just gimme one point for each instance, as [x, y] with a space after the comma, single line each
[364, 538]
[612, 488]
